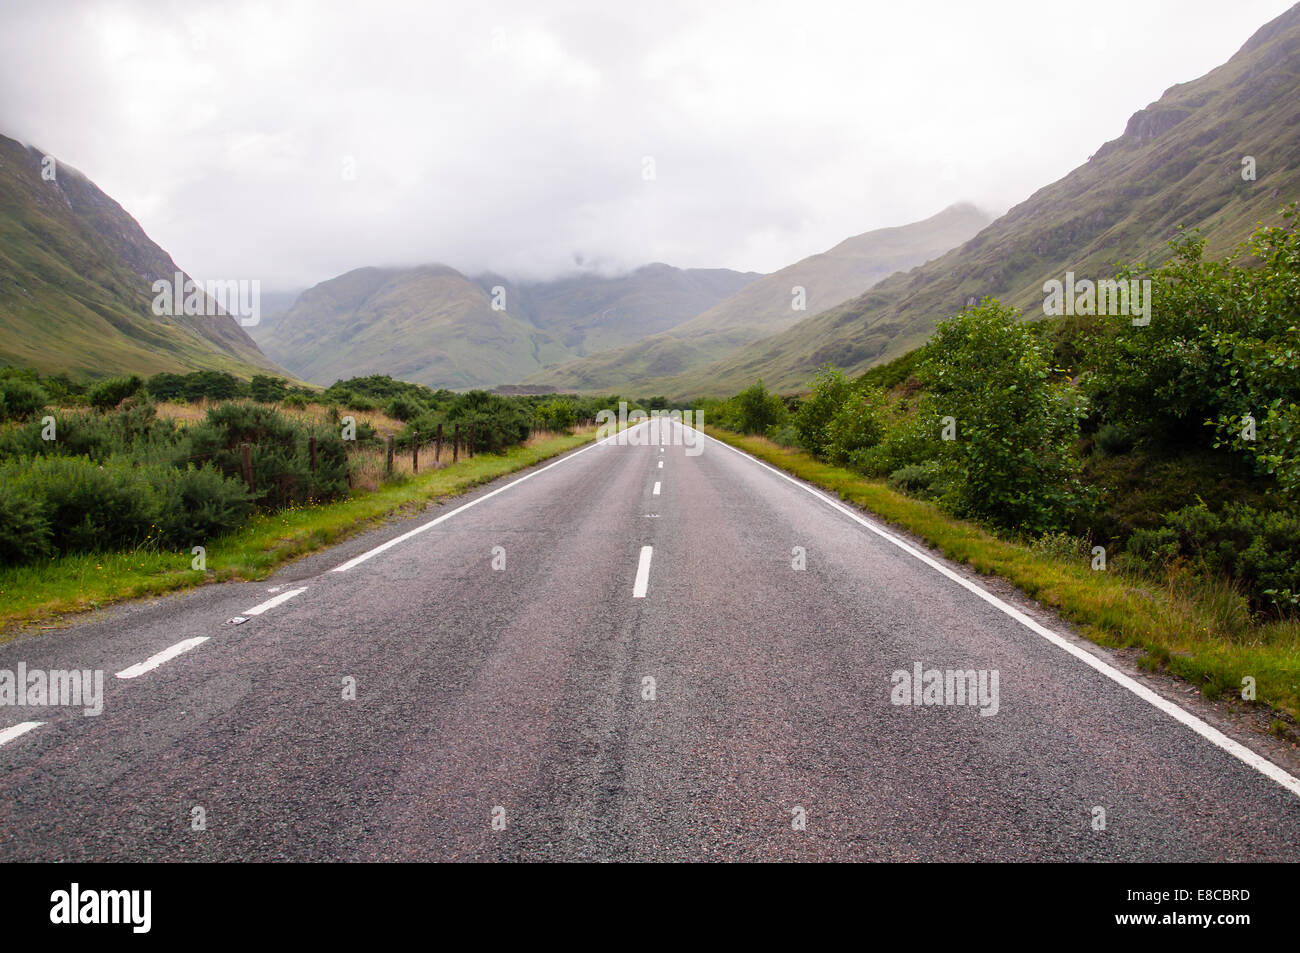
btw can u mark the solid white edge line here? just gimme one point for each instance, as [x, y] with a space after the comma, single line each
[12, 732]
[656, 489]
[642, 573]
[1181, 715]
[272, 603]
[166, 655]
[382, 547]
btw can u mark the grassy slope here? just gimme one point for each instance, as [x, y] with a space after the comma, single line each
[76, 583]
[435, 326]
[431, 325]
[75, 285]
[590, 313]
[764, 307]
[1178, 162]
[1178, 631]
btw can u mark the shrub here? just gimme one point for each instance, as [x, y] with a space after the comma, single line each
[556, 415]
[856, 426]
[90, 506]
[813, 419]
[757, 409]
[266, 389]
[198, 503]
[1257, 549]
[281, 468]
[1014, 425]
[912, 478]
[909, 441]
[20, 399]
[109, 393]
[404, 408]
[1114, 440]
[199, 385]
[498, 422]
[24, 530]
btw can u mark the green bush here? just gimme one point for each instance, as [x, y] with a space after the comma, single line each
[74, 504]
[90, 506]
[404, 408]
[757, 409]
[20, 399]
[282, 475]
[1259, 550]
[556, 415]
[909, 441]
[856, 427]
[1010, 458]
[109, 393]
[199, 385]
[24, 529]
[197, 504]
[498, 422]
[266, 389]
[1114, 440]
[913, 478]
[813, 419]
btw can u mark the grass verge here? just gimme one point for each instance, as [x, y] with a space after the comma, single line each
[45, 591]
[1184, 628]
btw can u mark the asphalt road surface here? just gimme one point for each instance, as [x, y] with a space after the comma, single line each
[649, 677]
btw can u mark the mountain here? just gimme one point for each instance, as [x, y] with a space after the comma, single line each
[1179, 162]
[76, 277]
[590, 313]
[766, 306]
[436, 326]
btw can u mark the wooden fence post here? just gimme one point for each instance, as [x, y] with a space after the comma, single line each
[389, 466]
[415, 451]
[437, 445]
[246, 459]
[455, 444]
[470, 445]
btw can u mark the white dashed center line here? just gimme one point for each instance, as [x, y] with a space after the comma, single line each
[272, 603]
[166, 655]
[9, 734]
[656, 489]
[642, 573]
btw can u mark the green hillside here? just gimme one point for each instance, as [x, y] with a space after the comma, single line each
[436, 326]
[1179, 162]
[592, 313]
[76, 275]
[764, 307]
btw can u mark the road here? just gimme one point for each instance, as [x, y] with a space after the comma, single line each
[506, 713]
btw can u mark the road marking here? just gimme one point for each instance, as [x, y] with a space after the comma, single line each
[9, 734]
[272, 603]
[166, 655]
[383, 547]
[656, 489]
[1181, 715]
[661, 464]
[642, 573]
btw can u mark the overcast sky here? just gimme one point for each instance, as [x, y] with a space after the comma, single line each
[517, 136]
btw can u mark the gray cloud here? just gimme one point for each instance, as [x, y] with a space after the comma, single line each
[511, 137]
